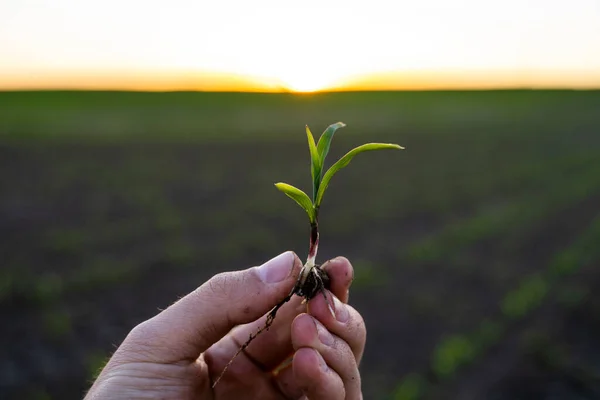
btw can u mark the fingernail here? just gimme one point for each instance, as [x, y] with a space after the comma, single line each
[341, 311]
[324, 336]
[276, 269]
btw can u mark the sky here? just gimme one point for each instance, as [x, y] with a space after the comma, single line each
[301, 45]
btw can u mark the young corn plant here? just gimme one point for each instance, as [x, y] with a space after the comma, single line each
[312, 279]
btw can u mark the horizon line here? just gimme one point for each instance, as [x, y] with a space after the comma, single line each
[207, 81]
[300, 93]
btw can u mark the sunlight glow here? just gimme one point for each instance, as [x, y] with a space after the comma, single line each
[304, 84]
[303, 77]
[270, 45]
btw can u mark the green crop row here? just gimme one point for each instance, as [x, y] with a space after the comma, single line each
[456, 351]
[47, 288]
[507, 220]
[122, 116]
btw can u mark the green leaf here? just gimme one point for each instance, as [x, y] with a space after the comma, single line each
[325, 141]
[342, 162]
[299, 197]
[315, 162]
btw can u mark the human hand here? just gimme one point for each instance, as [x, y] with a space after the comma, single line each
[181, 351]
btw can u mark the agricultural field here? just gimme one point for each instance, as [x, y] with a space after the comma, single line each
[476, 250]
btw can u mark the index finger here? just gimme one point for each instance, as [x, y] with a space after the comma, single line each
[341, 275]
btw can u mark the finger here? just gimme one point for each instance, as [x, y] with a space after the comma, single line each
[337, 352]
[315, 379]
[272, 347]
[308, 332]
[191, 325]
[342, 274]
[347, 323]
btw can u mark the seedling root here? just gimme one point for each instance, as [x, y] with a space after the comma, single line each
[318, 281]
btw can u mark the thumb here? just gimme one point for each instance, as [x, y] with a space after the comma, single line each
[194, 323]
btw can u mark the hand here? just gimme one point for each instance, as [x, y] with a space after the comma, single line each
[181, 351]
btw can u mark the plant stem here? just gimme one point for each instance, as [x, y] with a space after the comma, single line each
[314, 243]
[312, 250]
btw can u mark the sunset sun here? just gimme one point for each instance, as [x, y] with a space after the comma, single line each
[305, 82]
[303, 85]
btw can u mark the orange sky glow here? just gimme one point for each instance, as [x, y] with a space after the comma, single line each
[269, 45]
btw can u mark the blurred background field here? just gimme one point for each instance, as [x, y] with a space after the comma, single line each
[476, 250]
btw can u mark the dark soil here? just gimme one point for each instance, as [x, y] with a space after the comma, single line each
[97, 237]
